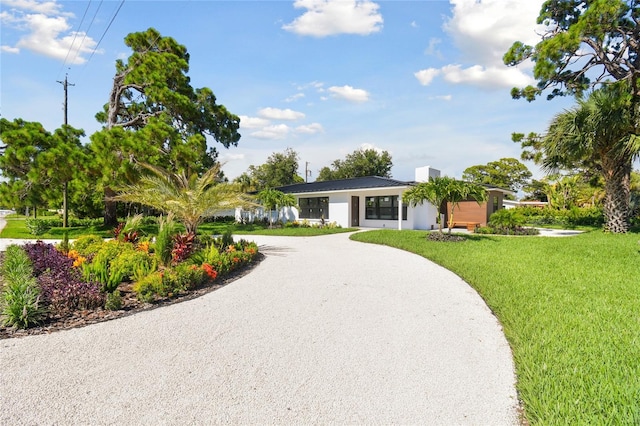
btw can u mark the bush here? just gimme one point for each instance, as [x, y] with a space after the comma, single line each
[114, 301]
[37, 226]
[20, 305]
[507, 218]
[164, 240]
[87, 244]
[576, 216]
[100, 266]
[129, 263]
[181, 278]
[62, 285]
[147, 288]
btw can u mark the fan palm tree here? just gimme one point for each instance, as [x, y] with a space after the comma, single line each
[191, 199]
[598, 134]
[440, 190]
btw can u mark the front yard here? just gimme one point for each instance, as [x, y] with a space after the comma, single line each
[570, 308]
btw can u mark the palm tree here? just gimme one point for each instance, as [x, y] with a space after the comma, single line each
[191, 199]
[458, 191]
[440, 190]
[272, 199]
[598, 134]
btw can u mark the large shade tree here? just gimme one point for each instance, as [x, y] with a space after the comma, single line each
[585, 43]
[280, 169]
[37, 166]
[506, 173]
[190, 198]
[154, 115]
[360, 163]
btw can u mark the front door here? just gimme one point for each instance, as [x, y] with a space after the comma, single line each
[355, 211]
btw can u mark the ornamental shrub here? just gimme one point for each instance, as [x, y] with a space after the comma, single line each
[147, 288]
[164, 240]
[87, 244]
[99, 268]
[181, 278]
[129, 263]
[37, 226]
[62, 285]
[507, 218]
[20, 303]
[45, 256]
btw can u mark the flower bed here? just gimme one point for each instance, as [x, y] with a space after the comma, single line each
[95, 280]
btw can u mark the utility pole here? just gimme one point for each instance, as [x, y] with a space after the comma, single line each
[65, 84]
[65, 213]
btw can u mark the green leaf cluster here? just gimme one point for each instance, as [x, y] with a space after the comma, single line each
[360, 163]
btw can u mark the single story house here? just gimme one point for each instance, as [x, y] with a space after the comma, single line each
[373, 202]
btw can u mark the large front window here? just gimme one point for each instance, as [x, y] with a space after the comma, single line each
[384, 208]
[314, 208]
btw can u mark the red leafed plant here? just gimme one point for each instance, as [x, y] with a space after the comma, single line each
[182, 246]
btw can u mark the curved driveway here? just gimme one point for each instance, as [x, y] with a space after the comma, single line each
[324, 330]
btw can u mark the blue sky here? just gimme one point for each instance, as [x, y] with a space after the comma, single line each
[423, 80]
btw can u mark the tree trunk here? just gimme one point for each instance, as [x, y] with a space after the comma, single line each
[617, 175]
[110, 208]
[65, 207]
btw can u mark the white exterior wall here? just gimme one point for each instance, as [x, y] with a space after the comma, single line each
[339, 209]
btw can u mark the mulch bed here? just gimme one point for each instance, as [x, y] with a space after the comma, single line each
[130, 305]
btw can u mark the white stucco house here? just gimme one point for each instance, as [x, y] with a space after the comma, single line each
[366, 202]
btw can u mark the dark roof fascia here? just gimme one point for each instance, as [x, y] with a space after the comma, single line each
[342, 185]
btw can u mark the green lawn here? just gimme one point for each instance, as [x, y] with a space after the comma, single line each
[570, 308]
[16, 228]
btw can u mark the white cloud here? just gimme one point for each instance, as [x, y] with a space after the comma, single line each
[48, 31]
[414, 24]
[280, 114]
[442, 98]
[425, 77]
[46, 7]
[349, 93]
[330, 17]
[295, 97]
[310, 129]
[432, 48]
[368, 146]
[278, 131]
[247, 122]
[9, 49]
[486, 76]
[483, 31]
[231, 157]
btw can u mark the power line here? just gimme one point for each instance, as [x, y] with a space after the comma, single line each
[105, 31]
[88, 28]
[74, 38]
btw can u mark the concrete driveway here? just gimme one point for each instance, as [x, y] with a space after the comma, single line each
[324, 330]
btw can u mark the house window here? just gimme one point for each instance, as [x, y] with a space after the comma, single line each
[314, 208]
[384, 208]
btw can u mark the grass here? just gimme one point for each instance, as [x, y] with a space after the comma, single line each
[16, 228]
[570, 309]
